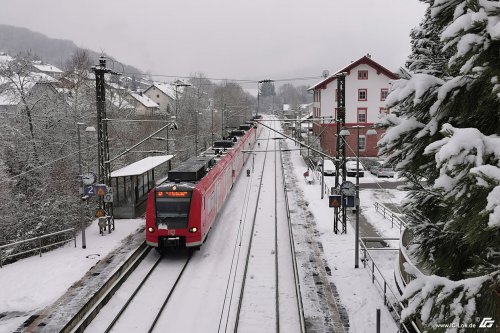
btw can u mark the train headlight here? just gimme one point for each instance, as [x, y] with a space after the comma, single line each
[193, 230]
[151, 229]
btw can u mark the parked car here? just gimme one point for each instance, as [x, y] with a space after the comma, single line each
[374, 168]
[385, 171]
[329, 169]
[351, 169]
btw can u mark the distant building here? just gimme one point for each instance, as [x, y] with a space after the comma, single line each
[37, 89]
[164, 95]
[48, 69]
[143, 104]
[366, 88]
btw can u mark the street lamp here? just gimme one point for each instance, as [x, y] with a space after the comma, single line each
[196, 133]
[82, 225]
[178, 83]
[212, 109]
[344, 133]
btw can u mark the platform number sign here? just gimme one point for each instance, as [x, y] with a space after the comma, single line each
[89, 190]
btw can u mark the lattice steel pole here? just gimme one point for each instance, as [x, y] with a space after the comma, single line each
[103, 167]
[340, 213]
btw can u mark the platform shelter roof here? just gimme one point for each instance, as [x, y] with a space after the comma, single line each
[141, 166]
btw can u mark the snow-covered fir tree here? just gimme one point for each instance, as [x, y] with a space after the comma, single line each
[444, 136]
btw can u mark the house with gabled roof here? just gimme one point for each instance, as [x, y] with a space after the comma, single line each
[164, 95]
[366, 88]
[48, 69]
[35, 88]
[144, 105]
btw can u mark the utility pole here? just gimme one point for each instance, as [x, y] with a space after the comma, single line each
[82, 223]
[340, 163]
[103, 167]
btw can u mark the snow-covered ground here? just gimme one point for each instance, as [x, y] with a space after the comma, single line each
[354, 286]
[31, 284]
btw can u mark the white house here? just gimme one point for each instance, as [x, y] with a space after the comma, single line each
[48, 69]
[366, 88]
[142, 103]
[162, 94]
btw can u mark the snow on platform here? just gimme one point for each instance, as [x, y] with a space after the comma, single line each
[29, 285]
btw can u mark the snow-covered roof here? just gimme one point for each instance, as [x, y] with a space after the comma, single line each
[115, 86]
[363, 60]
[144, 100]
[9, 95]
[120, 102]
[142, 166]
[47, 68]
[167, 89]
[5, 58]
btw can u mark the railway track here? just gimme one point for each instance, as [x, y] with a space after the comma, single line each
[111, 307]
[270, 259]
[139, 304]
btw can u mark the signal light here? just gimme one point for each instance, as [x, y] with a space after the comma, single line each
[193, 230]
[151, 229]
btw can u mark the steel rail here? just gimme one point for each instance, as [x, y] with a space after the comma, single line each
[87, 313]
[169, 294]
[298, 292]
[276, 260]
[247, 260]
[129, 300]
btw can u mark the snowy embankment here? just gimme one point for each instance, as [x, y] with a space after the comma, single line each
[356, 291]
[31, 284]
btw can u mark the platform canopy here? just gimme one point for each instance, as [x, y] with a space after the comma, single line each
[142, 166]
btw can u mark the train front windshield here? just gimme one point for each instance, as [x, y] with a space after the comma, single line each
[172, 209]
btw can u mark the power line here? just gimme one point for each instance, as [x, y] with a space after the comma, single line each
[245, 81]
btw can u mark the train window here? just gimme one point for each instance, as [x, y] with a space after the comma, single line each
[174, 212]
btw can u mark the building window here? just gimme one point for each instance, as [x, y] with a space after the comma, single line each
[362, 142]
[362, 94]
[362, 115]
[383, 94]
[316, 96]
[362, 75]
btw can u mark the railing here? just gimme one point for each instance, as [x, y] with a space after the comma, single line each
[389, 214]
[36, 245]
[391, 300]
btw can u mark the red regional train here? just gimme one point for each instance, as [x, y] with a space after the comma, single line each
[181, 210]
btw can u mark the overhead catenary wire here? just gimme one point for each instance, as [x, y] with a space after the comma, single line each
[243, 81]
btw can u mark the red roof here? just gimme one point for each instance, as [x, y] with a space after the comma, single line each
[365, 60]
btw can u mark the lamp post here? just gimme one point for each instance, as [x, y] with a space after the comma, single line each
[82, 224]
[344, 132]
[178, 83]
[196, 133]
[212, 109]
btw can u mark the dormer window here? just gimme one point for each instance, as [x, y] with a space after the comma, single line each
[362, 75]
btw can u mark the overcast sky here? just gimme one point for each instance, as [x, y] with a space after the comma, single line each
[235, 39]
